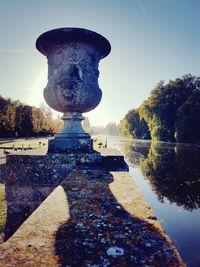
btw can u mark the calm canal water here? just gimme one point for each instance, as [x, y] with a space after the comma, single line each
[168, 175]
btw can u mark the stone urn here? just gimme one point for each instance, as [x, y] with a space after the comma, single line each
[73, 56]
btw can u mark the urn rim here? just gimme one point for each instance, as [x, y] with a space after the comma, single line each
[70, 34]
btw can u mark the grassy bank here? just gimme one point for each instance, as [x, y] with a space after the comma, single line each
[99, 141]
[2, 211]
[33, 143]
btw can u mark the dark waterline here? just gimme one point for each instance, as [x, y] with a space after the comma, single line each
[169, 178]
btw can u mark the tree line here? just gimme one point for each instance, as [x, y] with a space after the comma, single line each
[171, 170]
[21, 120]
[171, 113]
[111, 128]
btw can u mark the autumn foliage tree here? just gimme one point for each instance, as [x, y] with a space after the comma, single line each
[18, 119]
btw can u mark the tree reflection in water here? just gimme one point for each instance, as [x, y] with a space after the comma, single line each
[173, 170]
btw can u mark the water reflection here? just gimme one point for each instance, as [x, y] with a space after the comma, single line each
[172, 170]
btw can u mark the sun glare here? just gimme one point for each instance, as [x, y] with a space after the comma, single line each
[36, 96]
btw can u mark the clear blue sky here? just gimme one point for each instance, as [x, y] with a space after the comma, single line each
[151, 40]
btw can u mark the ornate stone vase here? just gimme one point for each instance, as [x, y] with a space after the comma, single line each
[73, 56]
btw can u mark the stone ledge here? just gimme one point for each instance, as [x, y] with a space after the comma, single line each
[93, 218]
[53, 168]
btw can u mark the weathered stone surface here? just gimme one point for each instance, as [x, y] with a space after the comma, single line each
[94, 218]
[33, 243]
[29, 179]
[73, 57]
[67, 144]
[73, 77]
[21, 201]
[53, 168]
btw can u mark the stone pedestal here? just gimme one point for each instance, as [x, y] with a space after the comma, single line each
[68, 144]
[72, 137]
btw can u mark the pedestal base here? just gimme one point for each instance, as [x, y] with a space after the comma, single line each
[72, 138]
[67, 144]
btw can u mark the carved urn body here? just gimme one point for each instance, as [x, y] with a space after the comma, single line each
[73, 56]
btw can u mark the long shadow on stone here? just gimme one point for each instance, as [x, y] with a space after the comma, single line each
[28, 181]
[100, 232]
[21, 201]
